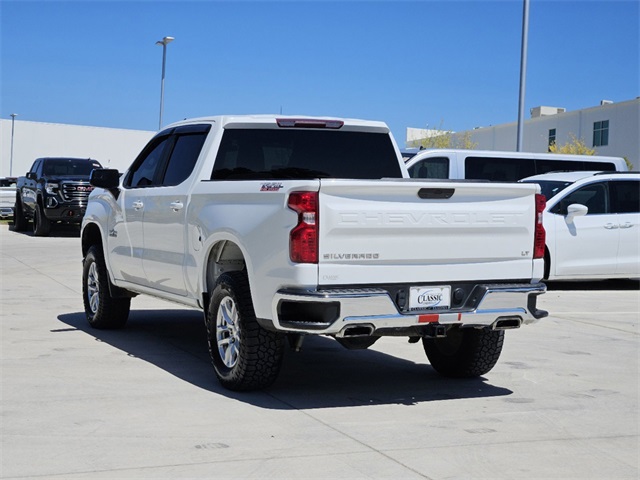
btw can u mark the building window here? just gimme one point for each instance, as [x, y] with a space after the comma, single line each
[552, 137]
[601, 133]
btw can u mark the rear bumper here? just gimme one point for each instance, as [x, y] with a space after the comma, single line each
[373, 312]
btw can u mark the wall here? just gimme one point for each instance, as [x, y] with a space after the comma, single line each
[624, 125]
[112, 147]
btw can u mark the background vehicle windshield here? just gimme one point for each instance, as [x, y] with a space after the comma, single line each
[69, 166]
[550, 188]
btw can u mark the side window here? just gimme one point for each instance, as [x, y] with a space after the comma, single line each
[498, 169]
[183, 158]
[147, 165]
[625, 196]
[436, 167]
[36, 166]
[592, 196]
[554, 165]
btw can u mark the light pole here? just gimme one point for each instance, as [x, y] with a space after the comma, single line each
[523, 74]
[13, 121]
[164, 42]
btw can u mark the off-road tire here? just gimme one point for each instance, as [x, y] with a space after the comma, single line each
[41, 224]
[20, 222]
[244, 355]
[103, 311]
[464, 352]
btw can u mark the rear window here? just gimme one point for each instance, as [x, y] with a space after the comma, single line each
[256, 154]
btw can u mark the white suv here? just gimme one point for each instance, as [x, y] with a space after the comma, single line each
[592, 220]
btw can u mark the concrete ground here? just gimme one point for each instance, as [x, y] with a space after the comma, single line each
[143, 402]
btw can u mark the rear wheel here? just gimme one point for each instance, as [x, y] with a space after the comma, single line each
[103, 311]
[19, 220]
[464, 352]
[41, 224]
[244, 355]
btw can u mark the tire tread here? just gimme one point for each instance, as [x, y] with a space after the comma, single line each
[477, 353]
[261, 351]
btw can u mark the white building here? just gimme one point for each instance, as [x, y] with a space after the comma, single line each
[112, 147]
[612, 129]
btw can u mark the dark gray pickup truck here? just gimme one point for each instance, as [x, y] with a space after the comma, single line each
[55, 190]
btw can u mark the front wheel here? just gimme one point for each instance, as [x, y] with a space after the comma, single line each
[244, 355]
[464, 352]
[103, 311]
[41, 224]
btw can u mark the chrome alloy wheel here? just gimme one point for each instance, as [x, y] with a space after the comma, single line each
[93, 288]
[228, 332]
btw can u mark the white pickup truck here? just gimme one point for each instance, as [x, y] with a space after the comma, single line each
[280, 227]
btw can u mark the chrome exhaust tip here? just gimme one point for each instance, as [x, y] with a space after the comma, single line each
[365, 330]
[506, 323]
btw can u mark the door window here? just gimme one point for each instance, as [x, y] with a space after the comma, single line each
[168, 159]
[146, 167]
[183, 158]
[436, 167]
[593, 196]
[36, 166]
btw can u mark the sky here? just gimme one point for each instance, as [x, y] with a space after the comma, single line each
[449, 64]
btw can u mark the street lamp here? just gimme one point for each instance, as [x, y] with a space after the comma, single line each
[164, 42]
[523, 74]
[13, 121]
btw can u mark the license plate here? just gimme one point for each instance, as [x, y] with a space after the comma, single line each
[429, 298]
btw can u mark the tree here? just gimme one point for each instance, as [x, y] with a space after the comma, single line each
[447, 139]
[465, 142]
[441, 140]
[574, 147]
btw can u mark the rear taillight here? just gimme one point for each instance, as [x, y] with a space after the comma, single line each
[538, 244]
[303, 239]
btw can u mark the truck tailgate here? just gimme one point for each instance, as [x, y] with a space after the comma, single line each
[399, 231]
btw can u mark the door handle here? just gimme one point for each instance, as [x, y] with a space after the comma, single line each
[626, 225]
[176, 206]
[610, 226]
[137, 205]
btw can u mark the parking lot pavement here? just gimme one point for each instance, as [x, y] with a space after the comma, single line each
[143, 402]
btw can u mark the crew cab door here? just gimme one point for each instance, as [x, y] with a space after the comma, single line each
[164, 221]
[155, 198]
[126, 240]
[586, 245]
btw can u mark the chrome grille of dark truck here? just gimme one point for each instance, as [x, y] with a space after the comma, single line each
[74, 191]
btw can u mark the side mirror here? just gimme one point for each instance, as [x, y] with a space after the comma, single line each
[107, 178]
[576, 210]
[32, 176]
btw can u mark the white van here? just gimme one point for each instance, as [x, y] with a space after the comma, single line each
[503, 166]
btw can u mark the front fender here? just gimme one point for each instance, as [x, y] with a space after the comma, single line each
[97, 222]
